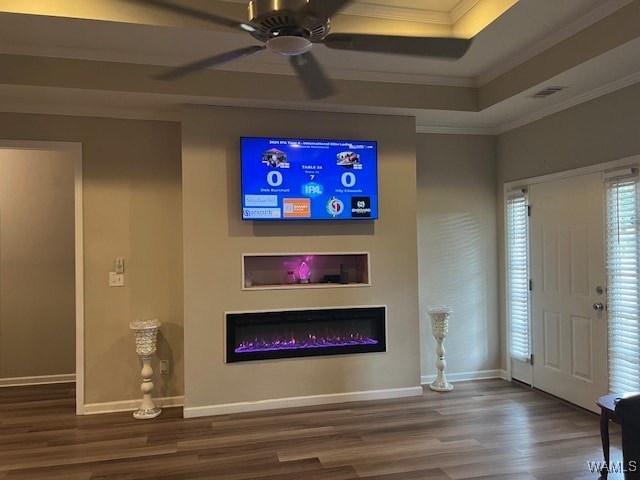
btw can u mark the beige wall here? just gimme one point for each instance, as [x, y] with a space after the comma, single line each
[37, 282]
[215, 237]
[457, 249]
[132, 208]
[604, 129]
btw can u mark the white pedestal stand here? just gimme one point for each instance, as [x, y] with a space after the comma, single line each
[440, 328]
[145, 333]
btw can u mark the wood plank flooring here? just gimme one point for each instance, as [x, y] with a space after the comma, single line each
[488, 429]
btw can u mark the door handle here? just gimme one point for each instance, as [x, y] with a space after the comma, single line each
[598, 306]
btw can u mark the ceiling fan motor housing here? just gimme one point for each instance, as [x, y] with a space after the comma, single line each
[280, 18]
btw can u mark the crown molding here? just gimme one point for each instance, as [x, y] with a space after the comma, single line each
[461, 9]
[453, 130]
[102, 112]
[408, 14]
[404, 14]
[583, 22]
[397, 12]
[154, 114]
[572, 102]
[390, 77]
[266, 68]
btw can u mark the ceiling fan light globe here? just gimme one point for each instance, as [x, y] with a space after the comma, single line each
[289, 46]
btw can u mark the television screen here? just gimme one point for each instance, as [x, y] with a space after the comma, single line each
[305, 179]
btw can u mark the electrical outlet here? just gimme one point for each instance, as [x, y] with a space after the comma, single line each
[164, 366]
[116, 279]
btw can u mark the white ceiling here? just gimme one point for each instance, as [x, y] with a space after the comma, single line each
[528, 29]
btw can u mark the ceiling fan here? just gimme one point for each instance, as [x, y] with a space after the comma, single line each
[292, 27]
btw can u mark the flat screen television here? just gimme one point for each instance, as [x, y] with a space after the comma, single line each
[308, 179]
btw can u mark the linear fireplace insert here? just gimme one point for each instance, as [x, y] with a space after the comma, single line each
[304, 333]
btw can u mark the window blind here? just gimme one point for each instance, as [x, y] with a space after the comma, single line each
[623, 283]
[517, 262]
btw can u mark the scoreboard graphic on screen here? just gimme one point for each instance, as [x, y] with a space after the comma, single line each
[306, 179]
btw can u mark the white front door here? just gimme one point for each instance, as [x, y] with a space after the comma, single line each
[569, 336]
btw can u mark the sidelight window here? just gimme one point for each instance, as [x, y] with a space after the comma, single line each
[517, 265]
[623, 280]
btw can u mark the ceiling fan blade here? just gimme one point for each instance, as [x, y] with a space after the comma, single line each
[200, 15]
[453, 48]
[209, 62]
[317, 10]
[314, 81]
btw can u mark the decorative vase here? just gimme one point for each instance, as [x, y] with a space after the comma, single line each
[303, 272]
[146, 333]
[440, 328]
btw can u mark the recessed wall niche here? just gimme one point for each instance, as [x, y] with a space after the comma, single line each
[305, 270]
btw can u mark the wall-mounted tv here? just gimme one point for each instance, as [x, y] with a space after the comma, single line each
[308, 179]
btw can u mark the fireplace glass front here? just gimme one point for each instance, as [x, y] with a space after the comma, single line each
[303, 333]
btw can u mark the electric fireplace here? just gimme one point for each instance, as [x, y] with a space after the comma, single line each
[305, 333]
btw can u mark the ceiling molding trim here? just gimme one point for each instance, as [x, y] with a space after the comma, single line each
[397, 13]
[461, 9]
[571, 102]
[106, 112]
[261, 68]
[390, 77]
[449, 130]
[419, 15]
[580, 24]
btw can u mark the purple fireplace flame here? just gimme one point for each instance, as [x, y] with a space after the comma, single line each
[267, 335]
[311, 341]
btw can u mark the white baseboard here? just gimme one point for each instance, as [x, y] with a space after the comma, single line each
[130, 405]
[464, 376]
[37, 380]
[271, 404]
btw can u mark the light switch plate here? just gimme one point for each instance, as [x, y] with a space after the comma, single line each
[116, 279]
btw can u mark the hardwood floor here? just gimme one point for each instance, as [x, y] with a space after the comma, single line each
[489, 429]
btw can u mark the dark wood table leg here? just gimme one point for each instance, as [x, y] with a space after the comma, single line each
[604, 435]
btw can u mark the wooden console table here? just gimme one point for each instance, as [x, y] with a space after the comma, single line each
[607, 404]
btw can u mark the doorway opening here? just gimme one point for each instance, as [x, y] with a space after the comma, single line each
[42, 264]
